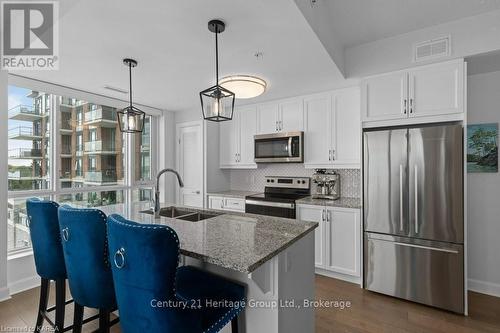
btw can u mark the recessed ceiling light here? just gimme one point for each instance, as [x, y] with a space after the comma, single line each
[244, 86]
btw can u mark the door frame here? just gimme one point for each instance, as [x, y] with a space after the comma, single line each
[178, 127]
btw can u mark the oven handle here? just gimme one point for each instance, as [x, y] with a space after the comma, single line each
[270, 204]
[290, 153]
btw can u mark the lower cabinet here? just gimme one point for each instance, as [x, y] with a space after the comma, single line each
[337, 239]
[226, 203]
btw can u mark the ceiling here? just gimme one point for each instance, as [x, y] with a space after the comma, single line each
[175, 49]
[362, 21]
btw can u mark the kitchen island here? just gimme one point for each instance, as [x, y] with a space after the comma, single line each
[273, 257]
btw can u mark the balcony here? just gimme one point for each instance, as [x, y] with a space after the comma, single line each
[65, 176]
[24, 133]
[25, 113]
[66, 151]
[70, 102]
[99, 147]
[101, 116]
[101, 177]
[25, 153]
[25, 174]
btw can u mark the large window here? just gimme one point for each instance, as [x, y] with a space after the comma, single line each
[87, 148]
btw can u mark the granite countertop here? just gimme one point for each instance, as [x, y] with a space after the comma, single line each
[232, 194]
[345, 202]
[237, 241]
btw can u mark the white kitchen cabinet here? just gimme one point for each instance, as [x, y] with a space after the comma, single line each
[436, 89]
[236, 139]
[337, 239]
[282, 116]
[343, 241]
[226, 203]
[333, 130]
[425, 91]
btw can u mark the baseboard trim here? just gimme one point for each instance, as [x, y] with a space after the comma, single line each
[24, 284]
[4, 294]
[483, 287]
[339, 276]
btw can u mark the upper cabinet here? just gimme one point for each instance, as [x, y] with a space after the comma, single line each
[236, 139]
[434, 91]
[283, 116]
[333, 129]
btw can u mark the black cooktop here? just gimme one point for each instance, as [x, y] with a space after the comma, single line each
[277, 197]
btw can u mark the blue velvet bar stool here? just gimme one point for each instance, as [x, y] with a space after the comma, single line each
[149, 285]
[49, 260]
[84, 242]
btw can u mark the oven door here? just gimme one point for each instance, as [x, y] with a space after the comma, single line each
[279, 147]
[269, 208]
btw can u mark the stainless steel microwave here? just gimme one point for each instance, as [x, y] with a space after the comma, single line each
[279, 147]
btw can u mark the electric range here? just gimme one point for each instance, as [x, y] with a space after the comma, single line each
[278, 199]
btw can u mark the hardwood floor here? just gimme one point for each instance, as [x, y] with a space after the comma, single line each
[369, 312]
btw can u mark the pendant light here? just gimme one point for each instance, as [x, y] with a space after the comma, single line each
[217, 102]
[131, 119]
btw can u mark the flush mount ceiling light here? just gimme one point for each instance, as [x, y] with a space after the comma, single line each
[217, 102]
[244, 86]
[131, 119]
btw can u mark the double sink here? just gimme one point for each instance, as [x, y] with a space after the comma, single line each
[183, 214]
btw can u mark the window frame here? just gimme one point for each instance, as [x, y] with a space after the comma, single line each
[54, 186]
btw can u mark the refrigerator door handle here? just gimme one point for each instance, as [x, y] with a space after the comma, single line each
[401, 197]
[427, 247]
[416, 199]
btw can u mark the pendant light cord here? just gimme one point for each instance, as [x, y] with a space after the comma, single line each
[216, 55]
[130, 80]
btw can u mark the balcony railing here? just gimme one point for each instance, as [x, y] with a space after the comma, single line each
[23, 131]
[68, 101]
[66, 124]
[25, 174]
[66, 149]
[26, 153]
[24, 110]
[100, 114]
[104, 176]
[65, 175]
[99, 146]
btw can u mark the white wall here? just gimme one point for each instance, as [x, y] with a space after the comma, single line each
[472, 35]
[4, 291]
[484, 192]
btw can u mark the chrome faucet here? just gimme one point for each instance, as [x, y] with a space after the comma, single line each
[156, 208]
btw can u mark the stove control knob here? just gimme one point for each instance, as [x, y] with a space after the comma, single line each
[268, 180]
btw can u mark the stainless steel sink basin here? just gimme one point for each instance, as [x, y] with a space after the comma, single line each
[183, 214]
[198, 216]
[171, 212]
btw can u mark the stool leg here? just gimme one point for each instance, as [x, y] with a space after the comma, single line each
[60, 304]
[42, 306]
[234, 325]
[77, 318]
[103, 321]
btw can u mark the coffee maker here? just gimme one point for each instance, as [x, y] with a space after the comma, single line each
[326, 184]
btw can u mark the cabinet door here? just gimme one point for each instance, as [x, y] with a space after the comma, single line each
[436, 89]
[346, 134]
[215, 202]
[267, 115]
[315, 214]
[291, 116]
[234, 204]
[383, 97]
[318, 129]
[248, 128]
[229, 141]
[343, 241]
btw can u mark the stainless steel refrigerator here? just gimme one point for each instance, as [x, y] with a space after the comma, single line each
[413, 214]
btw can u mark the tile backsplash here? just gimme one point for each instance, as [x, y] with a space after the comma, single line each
[254, 179]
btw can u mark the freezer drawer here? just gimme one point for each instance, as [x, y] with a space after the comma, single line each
[426, 272]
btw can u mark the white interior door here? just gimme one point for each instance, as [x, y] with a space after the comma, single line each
[190, 163]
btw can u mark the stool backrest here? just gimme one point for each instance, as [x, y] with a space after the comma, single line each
[45, 239]
[144, 263]
[85, 248]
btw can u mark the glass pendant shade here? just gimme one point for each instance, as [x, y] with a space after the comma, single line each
[131, 120]
[217, 103]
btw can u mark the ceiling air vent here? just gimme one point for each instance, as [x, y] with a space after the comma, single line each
[432, 49]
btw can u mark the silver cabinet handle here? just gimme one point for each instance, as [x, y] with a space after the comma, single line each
[239, 157]
[277, 128]
[281, 125]
[416, 199]
[323, 215]
[405, 101]
[401, 197]
[329, 154]
[411, 105]
[333, 154]
[327, 216]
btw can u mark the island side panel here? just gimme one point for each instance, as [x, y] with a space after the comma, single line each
[287, 276]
